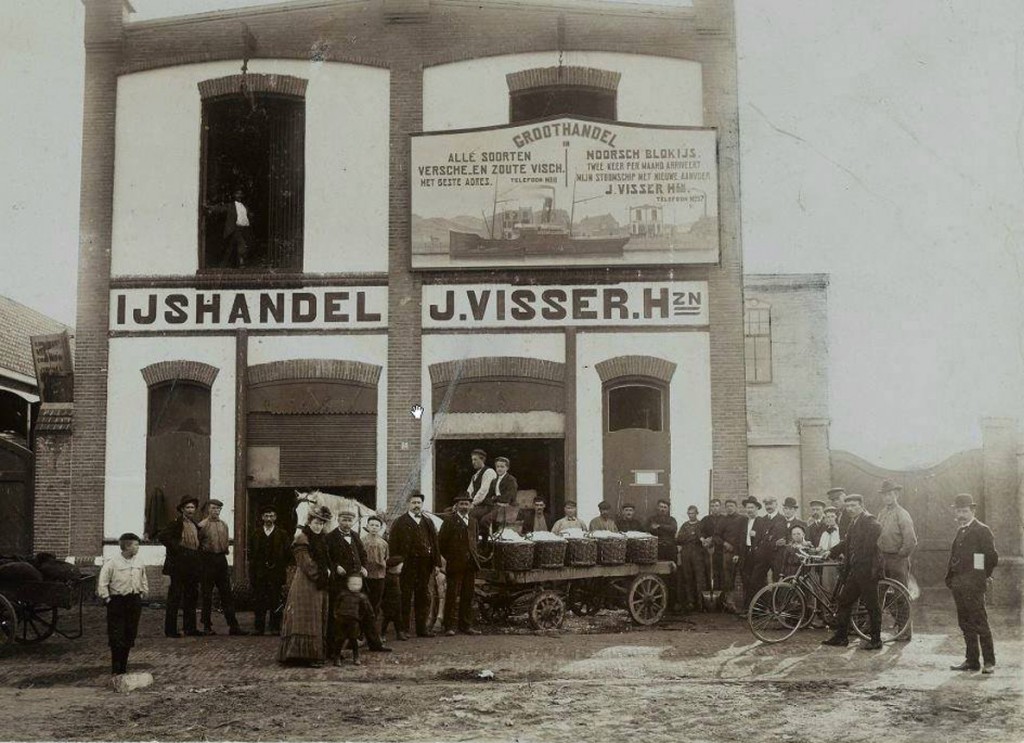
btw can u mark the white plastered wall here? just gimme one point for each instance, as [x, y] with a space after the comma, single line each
[652, 90]
[157, 162]
[689, 413]
[439, 348]
[124, 501]
[369, 349]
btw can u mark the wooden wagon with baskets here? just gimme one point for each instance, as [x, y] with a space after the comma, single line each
[30, 610]
[545, 579]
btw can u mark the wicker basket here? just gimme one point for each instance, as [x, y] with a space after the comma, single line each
[581, 552]
[642, 550]
[611, 551]
[513, 555]
[549, 553]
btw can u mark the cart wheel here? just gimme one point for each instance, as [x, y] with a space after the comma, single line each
[8, 622]
[37, 623]
[894, 601]
[648, 599]
[776, 612]
[547, 611]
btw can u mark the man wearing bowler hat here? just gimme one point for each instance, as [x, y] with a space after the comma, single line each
[755, 551]
[457, 542]
[862, 570]
[972, 559]
[181, 565]
[213, 555]
[269, 555]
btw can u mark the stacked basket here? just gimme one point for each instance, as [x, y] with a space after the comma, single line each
[642, 550]
[549, 553]
[581, 552]
[513, 555]
[611, 551]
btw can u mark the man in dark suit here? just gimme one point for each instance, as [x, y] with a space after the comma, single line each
[862, 570]
[457, 543]
[754, 551]
[181, 564]
[776, 535]
[269, 555]
[972, 559]
[711, 541]
[836, 496]
[731, 535]
[413, 539]
[816, 523]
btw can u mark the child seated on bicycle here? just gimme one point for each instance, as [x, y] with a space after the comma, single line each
[797, 543]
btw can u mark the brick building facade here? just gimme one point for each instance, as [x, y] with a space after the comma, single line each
[245, 378]
[786, 329]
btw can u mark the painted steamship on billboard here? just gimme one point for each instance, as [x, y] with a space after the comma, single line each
[564, 191]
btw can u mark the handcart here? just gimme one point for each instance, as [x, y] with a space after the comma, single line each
[30, 611]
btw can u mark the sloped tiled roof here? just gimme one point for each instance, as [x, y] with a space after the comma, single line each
[17, 324]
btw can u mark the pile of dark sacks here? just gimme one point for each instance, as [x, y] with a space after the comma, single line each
[43, 567]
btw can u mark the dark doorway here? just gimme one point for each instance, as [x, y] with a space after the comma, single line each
[283, 500]
[15, 498]
[537, 464]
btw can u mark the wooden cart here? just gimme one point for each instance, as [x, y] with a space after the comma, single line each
[30, 610]
[546, 594]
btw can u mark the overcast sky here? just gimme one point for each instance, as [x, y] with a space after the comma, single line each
[882, 143]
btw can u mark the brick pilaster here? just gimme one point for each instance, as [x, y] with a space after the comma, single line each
[103, 39]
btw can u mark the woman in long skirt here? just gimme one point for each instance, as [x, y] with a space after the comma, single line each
[305, 613]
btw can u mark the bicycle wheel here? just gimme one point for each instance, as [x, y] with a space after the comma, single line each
[776, 612]
[894, 601]
[811, 607]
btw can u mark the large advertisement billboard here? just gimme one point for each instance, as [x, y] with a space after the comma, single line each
[564, 192]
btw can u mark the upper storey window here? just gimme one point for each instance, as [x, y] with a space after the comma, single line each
[252, 173]
[556, 91]
[757, 339]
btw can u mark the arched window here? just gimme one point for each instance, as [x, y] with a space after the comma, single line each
[757, 340]
[177, 449]
[253, 153]
[558, 91]
[636, 404]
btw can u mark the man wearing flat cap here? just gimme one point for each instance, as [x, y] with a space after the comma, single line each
[181, 565]
[121, 586]
[348, 556]
[457, 541]
[213, 555]
[269, 556]
[862, 570]
[898, 539]
[972, 559]
[836, 496]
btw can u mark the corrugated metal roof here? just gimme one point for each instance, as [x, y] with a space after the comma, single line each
[17, 324]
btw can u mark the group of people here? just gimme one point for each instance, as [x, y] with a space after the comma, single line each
[346, 587]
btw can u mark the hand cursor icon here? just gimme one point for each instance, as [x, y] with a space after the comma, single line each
[417, 411]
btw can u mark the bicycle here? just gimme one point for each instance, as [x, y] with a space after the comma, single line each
[779, 609]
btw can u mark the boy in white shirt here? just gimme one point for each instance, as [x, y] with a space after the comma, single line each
[122, 585]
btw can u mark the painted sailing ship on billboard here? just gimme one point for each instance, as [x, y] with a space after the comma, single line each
[564, 191]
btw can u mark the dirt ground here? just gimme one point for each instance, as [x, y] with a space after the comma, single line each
[697, 678]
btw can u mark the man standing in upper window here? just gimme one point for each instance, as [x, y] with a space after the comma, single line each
[237, 233]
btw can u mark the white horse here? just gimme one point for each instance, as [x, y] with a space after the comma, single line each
[334, 503]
